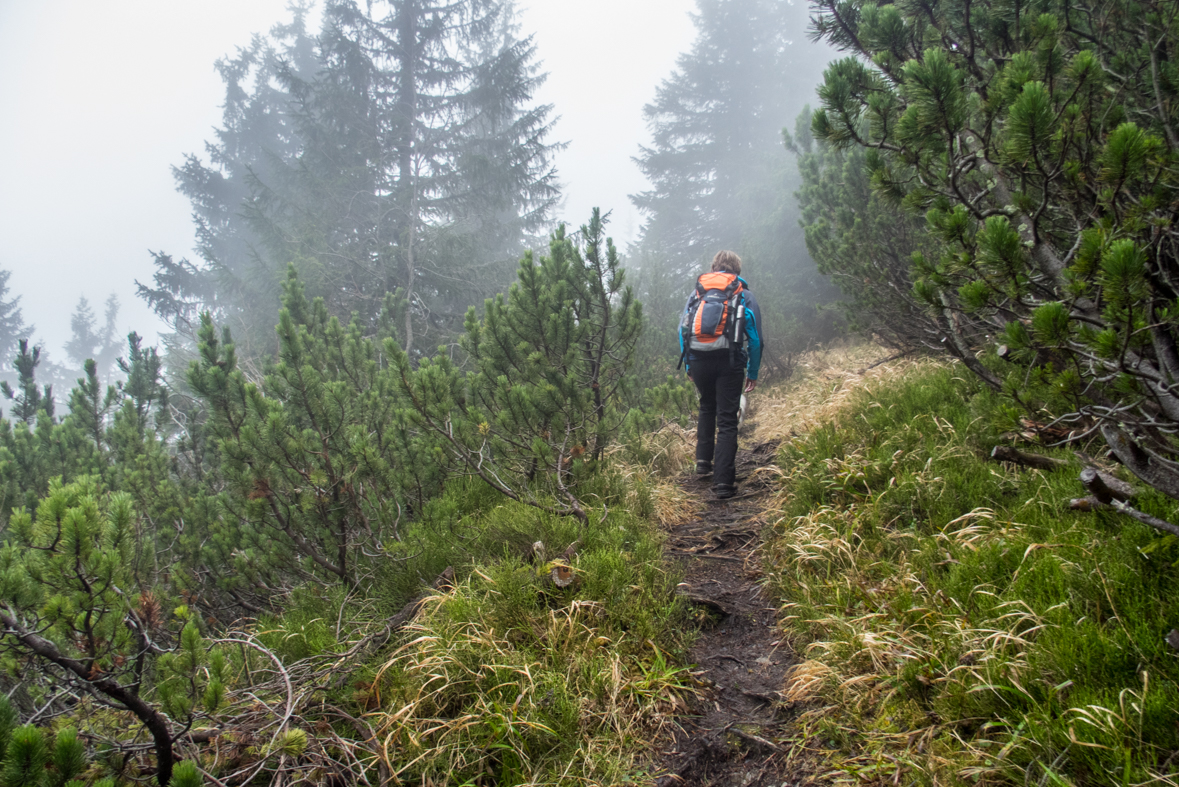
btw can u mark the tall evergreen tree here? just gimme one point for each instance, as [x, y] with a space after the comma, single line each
[720, 176]
[257, 139]
[716, 159]
[398, 151]
[12, 325]
[91, 340]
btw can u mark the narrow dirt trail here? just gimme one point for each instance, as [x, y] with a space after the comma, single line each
[728, 737]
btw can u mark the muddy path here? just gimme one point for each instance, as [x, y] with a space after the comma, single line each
[728, 738]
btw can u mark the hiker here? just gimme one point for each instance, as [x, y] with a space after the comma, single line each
[720, 317]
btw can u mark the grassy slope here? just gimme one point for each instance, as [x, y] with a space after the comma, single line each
[958, 624]
[507, 679]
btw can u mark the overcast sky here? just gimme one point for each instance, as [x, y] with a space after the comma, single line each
[101, 98]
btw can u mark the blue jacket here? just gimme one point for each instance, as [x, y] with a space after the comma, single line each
[753, 339]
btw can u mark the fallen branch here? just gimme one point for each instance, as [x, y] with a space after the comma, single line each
[882, 361]
[751, 738]
[1005, 453]
[703, 556]
[1146, 519]
[1105, 487]
[1103, 494]
[445, 581]
[1086, 504]
[724, 610]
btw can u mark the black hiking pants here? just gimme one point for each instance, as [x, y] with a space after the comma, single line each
[719, 379]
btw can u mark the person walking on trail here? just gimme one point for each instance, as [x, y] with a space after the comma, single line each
[720, 347]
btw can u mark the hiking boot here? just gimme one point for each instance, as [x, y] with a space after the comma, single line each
[724, 491]
[703, 467]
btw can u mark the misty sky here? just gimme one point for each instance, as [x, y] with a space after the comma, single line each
[100, 99]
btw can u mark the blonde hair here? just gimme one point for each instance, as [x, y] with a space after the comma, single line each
[726, 261]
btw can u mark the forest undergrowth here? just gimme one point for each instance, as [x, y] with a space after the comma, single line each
[956, 623]
[503, 676]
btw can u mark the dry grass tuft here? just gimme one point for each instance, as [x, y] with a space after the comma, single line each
[673, 504]
[806, 681]
[823, 381]
[472, 699]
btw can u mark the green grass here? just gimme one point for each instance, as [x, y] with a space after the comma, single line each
[971, 628]
[510, 680]
[507, 679]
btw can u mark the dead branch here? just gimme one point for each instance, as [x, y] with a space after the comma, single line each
[1106, 495]
[1086, 504]
[444, 581]
[883, 361]
[1105, 487]
[722, 609]
[1005, 453]
[1146, 519]
[754, 739]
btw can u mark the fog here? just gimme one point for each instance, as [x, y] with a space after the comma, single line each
[102, 99]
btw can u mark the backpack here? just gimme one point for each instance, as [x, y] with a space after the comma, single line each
[715, 315]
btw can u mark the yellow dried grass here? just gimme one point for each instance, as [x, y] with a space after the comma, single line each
[674, 505]
[822, 383]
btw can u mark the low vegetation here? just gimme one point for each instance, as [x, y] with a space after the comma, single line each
[955, 622]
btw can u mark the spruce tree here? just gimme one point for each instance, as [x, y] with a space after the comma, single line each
[90, 340]
[398, 152]
[720, 177]
[256, 140]
[12, 327]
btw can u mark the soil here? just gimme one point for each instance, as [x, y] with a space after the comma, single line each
[728, 738]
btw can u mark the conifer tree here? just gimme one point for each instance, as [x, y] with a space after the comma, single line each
[142, 386]
[89, 340]
[27, 756]
[720, 177]
[549, 370]
[716, 163]
[399, 151]
[1038, 141]
[90, 405]
[12, 326]
[857, 238]
[318, 462]
[27, 399]
[74, 601]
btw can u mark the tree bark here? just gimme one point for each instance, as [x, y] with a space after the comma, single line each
[1105, 487]
[1139, 462]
